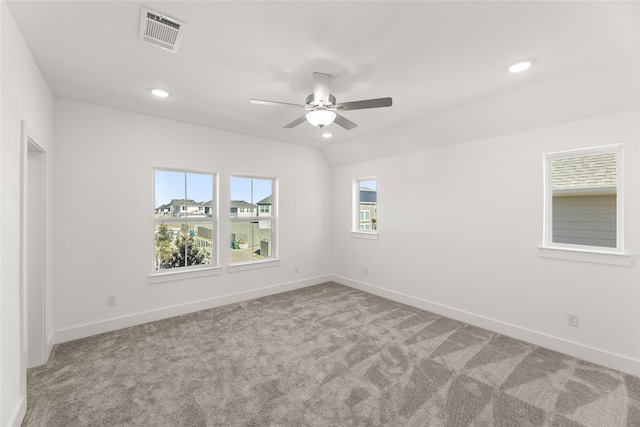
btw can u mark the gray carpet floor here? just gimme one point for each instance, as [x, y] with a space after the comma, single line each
[326, 355]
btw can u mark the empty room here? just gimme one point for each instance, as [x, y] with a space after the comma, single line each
[319, 213]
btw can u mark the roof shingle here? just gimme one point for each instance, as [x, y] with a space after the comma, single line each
[595, 171]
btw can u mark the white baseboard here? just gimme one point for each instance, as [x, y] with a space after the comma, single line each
[18, 414]
[581, 351]
[86, 330]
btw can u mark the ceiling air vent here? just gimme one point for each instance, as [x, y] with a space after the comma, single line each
[161, 30]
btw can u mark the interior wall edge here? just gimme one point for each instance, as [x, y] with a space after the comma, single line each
[594, 355]
[95, 328]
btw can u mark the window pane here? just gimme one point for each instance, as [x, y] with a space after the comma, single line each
[251, 197]
[169, 193]
[368, 199]
[251, 240]
[240, 196]
[199, 194]
[181, 245]
[584, 201]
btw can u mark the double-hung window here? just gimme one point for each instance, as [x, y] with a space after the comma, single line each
[253, 218]
[185, 219]
[584, 200]
[365, 205]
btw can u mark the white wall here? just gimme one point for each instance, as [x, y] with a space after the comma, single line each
[104, 224]
[24, 96]
[467, 247]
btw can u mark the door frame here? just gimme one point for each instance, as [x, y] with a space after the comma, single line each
[29, 145]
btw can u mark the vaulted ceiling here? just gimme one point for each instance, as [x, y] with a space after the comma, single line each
[431, 57]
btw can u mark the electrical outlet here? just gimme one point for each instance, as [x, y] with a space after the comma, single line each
[572, 319]
[365, 271]
[112, 301]
[297, 270]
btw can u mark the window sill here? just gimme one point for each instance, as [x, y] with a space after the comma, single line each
[364, 235]
[253, 265]
[182, 275]
[596, 257]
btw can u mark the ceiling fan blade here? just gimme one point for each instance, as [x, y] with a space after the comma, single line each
[321, 87]
[263, 102]
[296, 122]
[344, 122]
[368, 103]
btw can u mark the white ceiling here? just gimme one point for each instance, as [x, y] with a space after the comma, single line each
[430, 57]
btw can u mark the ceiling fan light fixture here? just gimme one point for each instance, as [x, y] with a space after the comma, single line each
[320, 118]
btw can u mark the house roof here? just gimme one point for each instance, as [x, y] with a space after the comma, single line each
[242, 204]
[596, 171]
[265, 201]
[368, 195]
[183, 202]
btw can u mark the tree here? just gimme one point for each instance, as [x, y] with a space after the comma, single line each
[164, 246]
[170, 251]
[194, 255]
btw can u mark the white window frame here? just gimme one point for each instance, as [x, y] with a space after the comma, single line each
[250, 264]
[179, 273]
[555, 250]
[356, 232]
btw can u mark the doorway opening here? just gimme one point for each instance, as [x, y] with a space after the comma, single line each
[33, 249]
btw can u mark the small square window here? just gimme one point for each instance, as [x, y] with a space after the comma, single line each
[583, 205]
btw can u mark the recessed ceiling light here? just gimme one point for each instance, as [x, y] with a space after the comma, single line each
[520, 66]
[160, 93]
[327, 135]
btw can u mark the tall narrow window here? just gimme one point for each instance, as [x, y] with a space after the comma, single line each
[584, 199]
[185, 219]
[365, 204]
[253, 219]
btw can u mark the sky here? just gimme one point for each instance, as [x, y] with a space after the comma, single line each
[369, 184]
[199, 187]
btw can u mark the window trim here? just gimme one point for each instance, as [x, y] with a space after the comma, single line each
[550, 249]
[355, 208]
[250, 264]
[179, 273]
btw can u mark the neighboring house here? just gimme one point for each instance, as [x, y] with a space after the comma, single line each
[368, 209]
[240, 208]
[163, 210]
[584, 200]
[264, 209]
[208, 208]
[264, 206]
[182, 207]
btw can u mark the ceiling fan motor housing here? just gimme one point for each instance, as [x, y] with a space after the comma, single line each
[312, 102]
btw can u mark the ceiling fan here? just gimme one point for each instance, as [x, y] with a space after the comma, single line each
[322, 108]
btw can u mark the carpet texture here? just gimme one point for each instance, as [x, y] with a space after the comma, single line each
[326, 355]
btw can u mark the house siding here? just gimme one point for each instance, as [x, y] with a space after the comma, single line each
[585, 220]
